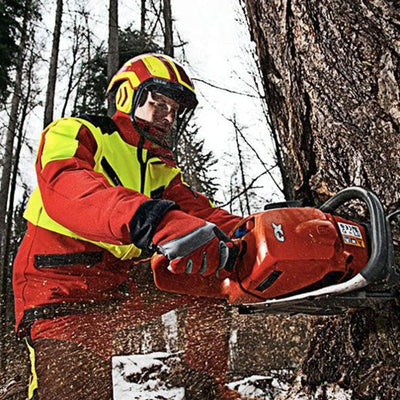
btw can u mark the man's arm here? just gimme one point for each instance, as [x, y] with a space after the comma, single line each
[80, 198]
[196, 204]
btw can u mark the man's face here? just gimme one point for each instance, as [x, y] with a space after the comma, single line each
[159, 111]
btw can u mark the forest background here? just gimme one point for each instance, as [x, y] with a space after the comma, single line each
[328, 74]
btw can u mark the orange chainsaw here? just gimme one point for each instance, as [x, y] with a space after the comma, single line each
[303, 260]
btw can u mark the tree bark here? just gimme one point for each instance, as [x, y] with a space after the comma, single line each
[26, 103]
[51, 85]
[113, 52]
[331, 76]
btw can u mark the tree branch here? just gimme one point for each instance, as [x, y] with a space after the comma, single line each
[224, 89]
[244, 190]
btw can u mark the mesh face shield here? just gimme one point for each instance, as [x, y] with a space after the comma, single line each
[185, 98]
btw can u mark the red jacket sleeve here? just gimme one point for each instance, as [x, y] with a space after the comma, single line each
[196, 204]
[78, 197]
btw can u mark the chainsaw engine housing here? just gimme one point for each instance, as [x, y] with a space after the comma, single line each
[295, 250]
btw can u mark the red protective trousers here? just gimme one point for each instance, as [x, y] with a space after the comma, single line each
[74, 353]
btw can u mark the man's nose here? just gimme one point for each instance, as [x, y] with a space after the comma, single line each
[170, 116]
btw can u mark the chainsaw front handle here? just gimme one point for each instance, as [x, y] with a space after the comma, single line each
[376, 266]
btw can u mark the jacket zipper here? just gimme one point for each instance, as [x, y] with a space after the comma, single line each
[110, 172]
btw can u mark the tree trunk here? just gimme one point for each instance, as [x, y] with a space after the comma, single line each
[24, 109]
[143, 17]
[112, 59]
[51, 85]
[11, 132]
[75, 58]
[331, 76]
[168, 30]
[7, 166]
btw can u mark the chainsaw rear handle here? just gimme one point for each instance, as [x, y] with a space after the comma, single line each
[377, 262]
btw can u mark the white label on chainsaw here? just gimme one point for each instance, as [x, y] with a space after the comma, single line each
[351, 230]
[351, 234]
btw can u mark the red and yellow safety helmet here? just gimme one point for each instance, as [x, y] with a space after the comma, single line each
[156, 72]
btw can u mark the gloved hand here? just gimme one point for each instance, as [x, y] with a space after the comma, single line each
[194, 246]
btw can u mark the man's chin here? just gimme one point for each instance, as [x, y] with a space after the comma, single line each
[163, 136]
[162, 131]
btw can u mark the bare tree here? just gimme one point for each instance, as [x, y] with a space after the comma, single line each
[155, 11]
[28, 103]
[143, 17]
[11, 132]
[86, 56]
[241, 167]
[168, 30]
[8, 159]
[330, 73]
[255, 75]
[247, 189]
[76, 57]
[113, 58]
[51, 85]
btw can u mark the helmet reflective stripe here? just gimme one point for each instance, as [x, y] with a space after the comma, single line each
[157, 68]
[129, 76]
[165, 67]
[180, 74]
[128, 82]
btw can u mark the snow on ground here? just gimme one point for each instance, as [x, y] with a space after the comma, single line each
[328, 391]
[145, 377]
[334, 392]
[141, 377]
[260, 387]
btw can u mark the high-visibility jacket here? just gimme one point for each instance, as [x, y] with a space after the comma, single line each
[93, 178]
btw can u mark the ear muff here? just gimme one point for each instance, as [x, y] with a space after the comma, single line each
[124, 97]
